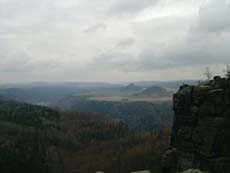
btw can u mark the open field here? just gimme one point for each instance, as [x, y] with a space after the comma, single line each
[130, 99]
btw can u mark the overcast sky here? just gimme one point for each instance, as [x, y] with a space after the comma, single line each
[112, 40]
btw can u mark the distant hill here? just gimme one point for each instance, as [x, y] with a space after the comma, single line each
[70, 85]
[155, 91]
[15, 94]
[42, 93]
[132, 87]
[47, 93]
[38, 95]
[166, 84]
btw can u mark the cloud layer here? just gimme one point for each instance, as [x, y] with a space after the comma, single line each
[115, 40]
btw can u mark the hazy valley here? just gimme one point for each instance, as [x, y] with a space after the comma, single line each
[114, 86]
[79, 133]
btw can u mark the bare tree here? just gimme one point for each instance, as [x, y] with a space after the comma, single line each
[208, 73]
[227, 71]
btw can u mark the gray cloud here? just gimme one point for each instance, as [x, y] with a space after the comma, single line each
[96, 27]
[115, 60]
[24, 64]
[183, 57]
[196, 52]
[126, 42]
[127, 7]
[19, 60]
[15, 61]
[214, 17]
[84, 39]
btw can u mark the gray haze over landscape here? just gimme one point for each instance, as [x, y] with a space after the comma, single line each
[112, 40]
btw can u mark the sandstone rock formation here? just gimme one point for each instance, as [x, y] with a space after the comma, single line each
[141, 172]
[201, 129]
[192, 171]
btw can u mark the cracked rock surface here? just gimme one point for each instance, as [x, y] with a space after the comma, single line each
[201, 129]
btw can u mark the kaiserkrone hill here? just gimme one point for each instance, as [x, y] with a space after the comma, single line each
[201, 129]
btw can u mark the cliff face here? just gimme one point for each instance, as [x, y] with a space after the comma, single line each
[201, 129]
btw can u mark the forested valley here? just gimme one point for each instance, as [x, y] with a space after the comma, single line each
[39, 139]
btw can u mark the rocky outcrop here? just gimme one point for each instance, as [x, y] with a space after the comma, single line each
[141, 172]
[193, 171]
[201, 128]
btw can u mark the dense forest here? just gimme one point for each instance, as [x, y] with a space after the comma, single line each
[139, 116]
[28, 140]
[38, 139]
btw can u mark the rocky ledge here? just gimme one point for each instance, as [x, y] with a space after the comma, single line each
[201, 128]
